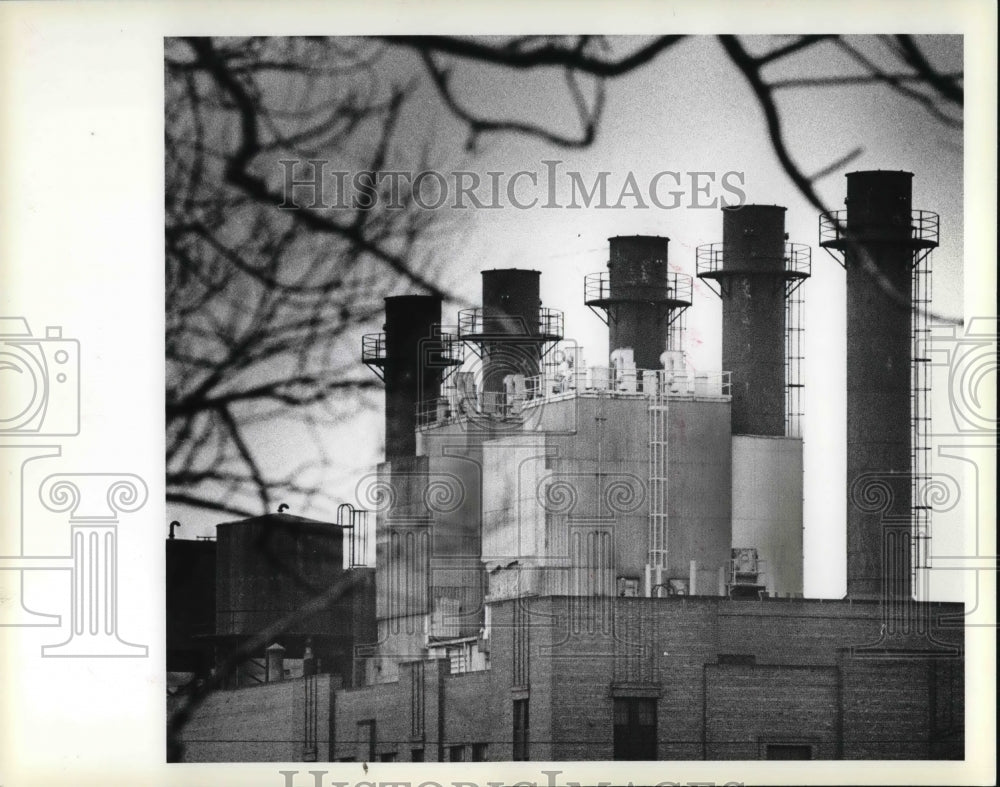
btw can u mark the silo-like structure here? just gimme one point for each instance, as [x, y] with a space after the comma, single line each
[755, 271]
[880, 240]
[511, 329]
[411, 357]
[268, 568]
[640, 299]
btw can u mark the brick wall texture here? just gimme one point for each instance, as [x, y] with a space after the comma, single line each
[730, 678]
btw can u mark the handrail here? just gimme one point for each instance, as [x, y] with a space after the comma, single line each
[924, 227]
[673, 287]
[473, 324]
[710, 258]
[373, 348]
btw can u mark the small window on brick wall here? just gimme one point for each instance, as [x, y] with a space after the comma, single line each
[456, 754]
[479, 752]
[417, 755]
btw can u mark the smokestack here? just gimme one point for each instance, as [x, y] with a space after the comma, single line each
[641, 300]
[404, 355]
[511, 329]
[755, 272]
[880, 246]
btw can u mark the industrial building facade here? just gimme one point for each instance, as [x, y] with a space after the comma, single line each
[605, 562]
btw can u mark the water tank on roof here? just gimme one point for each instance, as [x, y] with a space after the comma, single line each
[270, 566]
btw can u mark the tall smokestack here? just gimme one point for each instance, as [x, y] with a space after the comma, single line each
[755, 271]
[402, 352]
[511, 316]
[880, 246]
[641, 300]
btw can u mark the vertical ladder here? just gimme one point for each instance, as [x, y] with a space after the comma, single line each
[658, 454]
[793, 362]
[920, 420]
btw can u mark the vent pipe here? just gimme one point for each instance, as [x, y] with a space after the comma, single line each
[275, 663]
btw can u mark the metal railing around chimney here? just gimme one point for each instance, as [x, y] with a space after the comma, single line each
[924, 229]
[473, 325]
[674, 287]
[797, 259]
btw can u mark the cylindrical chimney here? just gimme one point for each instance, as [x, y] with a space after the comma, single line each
[641, 298]
[511, 317]
[411, 326]
[878, 252]
[753, 316]
[637, 278]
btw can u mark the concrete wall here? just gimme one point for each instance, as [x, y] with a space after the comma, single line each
[700, 464]
[428, 548]
[454, 500]
[513, 519]
[767, 506]
[578, 503]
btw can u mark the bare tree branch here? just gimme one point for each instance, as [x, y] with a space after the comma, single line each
[515, 55]
[750, 68]
[945, 84]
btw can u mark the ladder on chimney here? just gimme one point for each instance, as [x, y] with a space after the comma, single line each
[793, 360]
[658, 455]
[920, 419]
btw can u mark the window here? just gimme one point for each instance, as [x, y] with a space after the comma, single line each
[479, 752]
[521, 736]
[387, 756]
[459, 658]
[456, 754]
[635, 728]
[417, 755]
[366, 740]
[788, 751]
